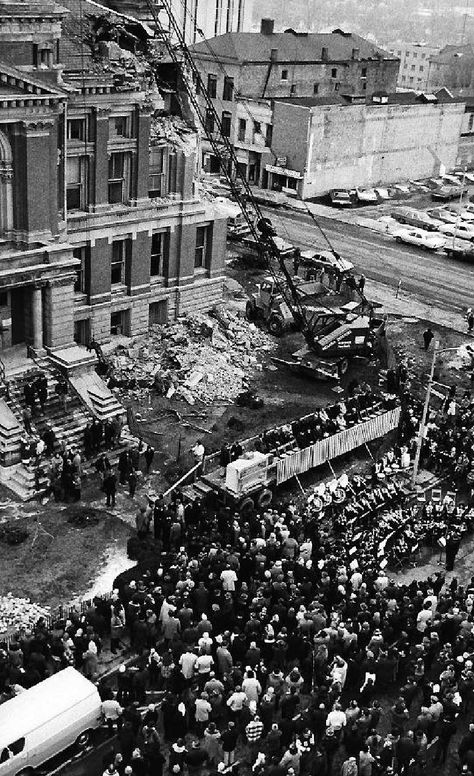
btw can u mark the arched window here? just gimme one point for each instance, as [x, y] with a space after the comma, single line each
[6, 186]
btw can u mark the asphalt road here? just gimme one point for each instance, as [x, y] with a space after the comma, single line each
[432, 276]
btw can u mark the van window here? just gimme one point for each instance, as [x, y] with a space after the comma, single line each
[12, 749]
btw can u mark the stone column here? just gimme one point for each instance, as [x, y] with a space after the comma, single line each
[37, 317]
[59, 311]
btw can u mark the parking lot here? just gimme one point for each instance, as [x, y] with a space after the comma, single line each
[430, 214]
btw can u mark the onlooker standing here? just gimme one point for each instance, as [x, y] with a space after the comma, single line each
[112, 711]
[427, 337]
[229, 742]
[110, 486]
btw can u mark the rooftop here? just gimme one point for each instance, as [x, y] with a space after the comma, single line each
[291, 47]
[396, 98]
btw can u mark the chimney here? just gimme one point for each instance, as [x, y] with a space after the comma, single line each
[266, 26]
[355, 53]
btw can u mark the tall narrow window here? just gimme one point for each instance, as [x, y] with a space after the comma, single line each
[242, 130]
[158, 254]
[202, 244]
[80, 253]
[226, 123]
[118, 178]
[157, 172]
[76, 182]
[117, 262]
[228, 90]
[212, 86]
[209, 121]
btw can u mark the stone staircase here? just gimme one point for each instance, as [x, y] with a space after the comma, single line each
[88, 397]
[68, 426]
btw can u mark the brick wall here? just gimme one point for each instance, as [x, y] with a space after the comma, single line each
[361, 145]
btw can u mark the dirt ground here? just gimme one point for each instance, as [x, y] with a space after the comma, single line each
[58, 560]
[452, 366]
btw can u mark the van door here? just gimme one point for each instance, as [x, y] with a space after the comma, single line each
[13, 757]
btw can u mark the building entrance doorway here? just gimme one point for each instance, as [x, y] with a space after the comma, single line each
[17, 301]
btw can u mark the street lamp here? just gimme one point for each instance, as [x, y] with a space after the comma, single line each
[421, 432]
[458, 217]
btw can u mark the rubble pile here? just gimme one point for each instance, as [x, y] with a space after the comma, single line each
[19, 613]
[199, 358]
[173, 131]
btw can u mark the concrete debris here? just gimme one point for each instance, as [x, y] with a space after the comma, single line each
[200, 358]
[19, 613]
[173, 131]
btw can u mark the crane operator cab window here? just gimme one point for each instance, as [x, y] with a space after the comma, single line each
[266, 288]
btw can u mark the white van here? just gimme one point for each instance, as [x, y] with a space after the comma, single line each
[41, 722]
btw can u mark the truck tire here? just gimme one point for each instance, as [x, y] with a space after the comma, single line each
[265, 498]
[250, 311]
[246, 506]
[275, 325]
[398, 239]
[26, 772]
[342, 367]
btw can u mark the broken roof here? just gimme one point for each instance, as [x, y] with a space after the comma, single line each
[291, 47]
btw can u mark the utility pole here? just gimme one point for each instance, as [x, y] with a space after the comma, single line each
[458, 218]
[421, 430]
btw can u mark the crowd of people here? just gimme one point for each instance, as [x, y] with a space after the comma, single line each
[271, 651]
[279, 647]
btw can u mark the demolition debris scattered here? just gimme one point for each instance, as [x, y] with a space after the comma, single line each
[199, 358]
[19, 613]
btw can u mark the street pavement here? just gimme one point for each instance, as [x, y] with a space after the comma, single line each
[431, 279]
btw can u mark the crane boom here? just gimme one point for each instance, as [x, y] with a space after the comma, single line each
[261, 231]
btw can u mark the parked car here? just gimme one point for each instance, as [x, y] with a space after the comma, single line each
[462, 230]
[441, 214]
[459, 210]
[287, 250]
[460, 250]
[340, 198]
[447, 192]
[366, 196]
[451, 179]
[316, 259]
[408, 215]
[419, 238]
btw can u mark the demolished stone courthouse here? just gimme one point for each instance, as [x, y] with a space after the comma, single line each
[101, 230]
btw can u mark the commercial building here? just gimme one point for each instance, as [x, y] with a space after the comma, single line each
[321, 144]
[244, 71]
[414, 64]
[101, 232]
[200, 19]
